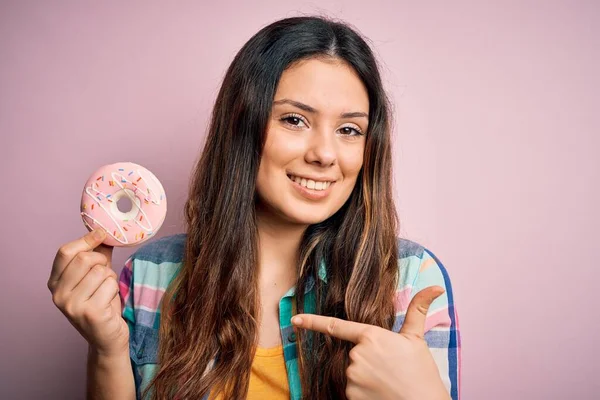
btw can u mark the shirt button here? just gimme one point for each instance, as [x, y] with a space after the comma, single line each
[292, 337]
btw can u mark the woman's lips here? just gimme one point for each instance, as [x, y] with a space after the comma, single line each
[310, 193]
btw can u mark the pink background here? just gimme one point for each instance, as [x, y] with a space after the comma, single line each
[496, 157]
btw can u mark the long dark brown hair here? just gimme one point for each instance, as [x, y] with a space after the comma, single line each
[211, 307]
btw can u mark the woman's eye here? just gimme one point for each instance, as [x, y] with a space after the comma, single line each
[347, 130]
[292, 120]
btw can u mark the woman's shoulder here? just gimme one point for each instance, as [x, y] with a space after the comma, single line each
[159, 257]
[414, 259]
[168, 249]
[156, 263]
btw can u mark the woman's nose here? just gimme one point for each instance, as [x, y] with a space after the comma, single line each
[322, 148]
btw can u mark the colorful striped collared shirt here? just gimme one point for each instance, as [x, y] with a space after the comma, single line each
[147, 273]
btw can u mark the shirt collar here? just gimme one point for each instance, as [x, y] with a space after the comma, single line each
[323, 271]
[310, 281]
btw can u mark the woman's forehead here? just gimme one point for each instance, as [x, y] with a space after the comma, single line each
[326, 86]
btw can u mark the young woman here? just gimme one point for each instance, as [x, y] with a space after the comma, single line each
[290, 213]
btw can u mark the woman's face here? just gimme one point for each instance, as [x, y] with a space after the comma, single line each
[315, 141]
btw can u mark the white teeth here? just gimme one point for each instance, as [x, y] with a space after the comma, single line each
[309, 183]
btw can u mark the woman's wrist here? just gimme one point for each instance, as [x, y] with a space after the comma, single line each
[107, 355]
[109, 375]
[434, 391]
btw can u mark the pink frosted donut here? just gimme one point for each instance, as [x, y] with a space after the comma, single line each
[141, 208]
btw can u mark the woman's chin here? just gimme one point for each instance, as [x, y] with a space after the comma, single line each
[306, 218]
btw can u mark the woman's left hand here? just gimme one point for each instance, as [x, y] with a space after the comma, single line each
[385, 364]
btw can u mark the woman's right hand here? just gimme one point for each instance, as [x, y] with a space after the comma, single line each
[86, 290]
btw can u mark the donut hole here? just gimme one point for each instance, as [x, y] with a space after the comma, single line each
[124, 204]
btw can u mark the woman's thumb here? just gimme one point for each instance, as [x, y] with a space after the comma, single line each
[94, 240]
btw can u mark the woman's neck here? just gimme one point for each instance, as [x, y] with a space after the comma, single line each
[278, 248]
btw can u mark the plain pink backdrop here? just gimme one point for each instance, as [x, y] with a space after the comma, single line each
[496, 162]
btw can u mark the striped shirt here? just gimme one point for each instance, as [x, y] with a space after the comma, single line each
[147, 273]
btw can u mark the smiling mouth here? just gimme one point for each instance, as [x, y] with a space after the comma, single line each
[309, 184]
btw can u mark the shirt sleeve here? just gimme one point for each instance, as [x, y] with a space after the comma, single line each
[126, 294]
[441, 325]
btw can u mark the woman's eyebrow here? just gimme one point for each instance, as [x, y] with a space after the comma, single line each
[312, 110]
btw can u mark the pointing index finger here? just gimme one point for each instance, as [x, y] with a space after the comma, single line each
[336, 327]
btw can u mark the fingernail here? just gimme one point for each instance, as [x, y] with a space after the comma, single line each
[98, 234]
[297, 320]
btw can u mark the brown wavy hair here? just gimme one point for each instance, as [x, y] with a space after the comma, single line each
[211, 307]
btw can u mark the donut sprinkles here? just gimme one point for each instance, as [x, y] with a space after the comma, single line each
[114, 182]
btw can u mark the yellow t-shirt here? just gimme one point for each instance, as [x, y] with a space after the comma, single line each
[268, 376]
